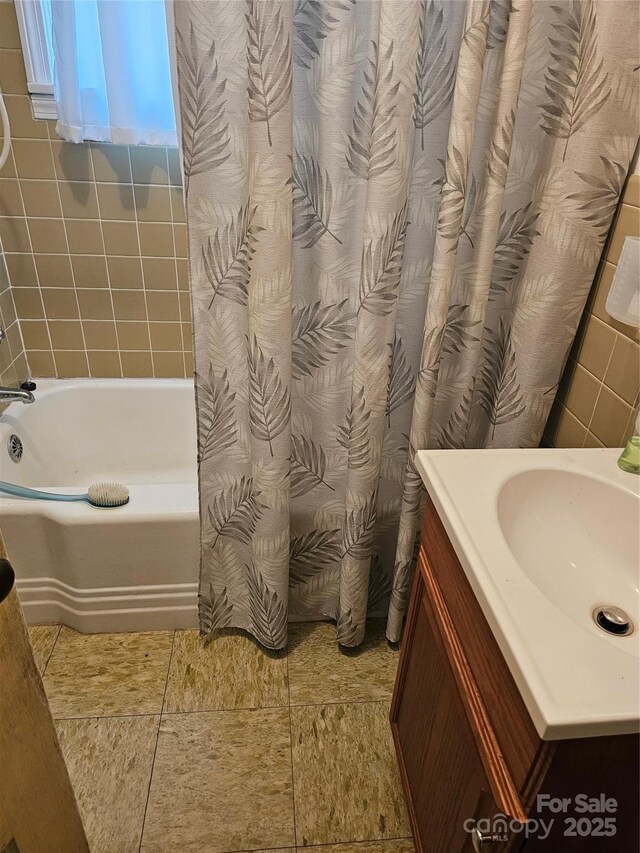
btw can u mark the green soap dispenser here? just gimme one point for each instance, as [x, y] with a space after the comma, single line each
[630, 457]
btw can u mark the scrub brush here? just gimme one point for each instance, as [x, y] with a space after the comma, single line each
[100, 494]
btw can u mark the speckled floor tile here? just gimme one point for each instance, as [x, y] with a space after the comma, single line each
[230, 672]
[320, 672]
[109, 761]
[395, 845]
[107, 674]
[221, 781]
[43, 638]
[346, 778]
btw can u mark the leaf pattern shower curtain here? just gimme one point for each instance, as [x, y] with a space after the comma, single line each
[395, 212]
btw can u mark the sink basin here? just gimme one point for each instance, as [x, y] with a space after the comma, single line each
[578, 539]
[546, 537]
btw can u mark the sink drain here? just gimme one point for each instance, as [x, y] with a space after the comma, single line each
[14, 446]
[613, 620]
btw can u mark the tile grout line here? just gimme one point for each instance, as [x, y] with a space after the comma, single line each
[33, 261]
[46, 663]
[73, 275]
[155, 749]
[175, 264]
[106, 264]
[144, 280]
[231, 710]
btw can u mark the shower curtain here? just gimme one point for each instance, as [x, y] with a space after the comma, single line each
[395, 212]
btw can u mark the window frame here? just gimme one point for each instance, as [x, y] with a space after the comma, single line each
[31, 25]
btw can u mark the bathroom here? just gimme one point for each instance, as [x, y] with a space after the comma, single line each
[329, 328]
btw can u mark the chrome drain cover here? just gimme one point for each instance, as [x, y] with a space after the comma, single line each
[15, 448]
[613, 620]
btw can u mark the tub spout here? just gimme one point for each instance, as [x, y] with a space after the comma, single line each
[16, 394]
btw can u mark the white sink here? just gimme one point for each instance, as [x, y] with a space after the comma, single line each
[547, 537]
[576, 538]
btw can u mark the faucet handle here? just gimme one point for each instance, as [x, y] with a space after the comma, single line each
[3, 334]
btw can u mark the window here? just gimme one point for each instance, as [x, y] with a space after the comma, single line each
[102, 67]
[34, 23]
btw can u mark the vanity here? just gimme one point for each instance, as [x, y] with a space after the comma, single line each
[515, 712]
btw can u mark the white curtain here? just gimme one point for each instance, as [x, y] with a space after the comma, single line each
[112, 78]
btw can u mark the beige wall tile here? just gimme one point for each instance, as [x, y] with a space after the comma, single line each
[133, 335]
[121, 238]
[95, 304]
[90, 271]
[627, 224]
[125, 273]
[188, 364]
[54, 270]
[23, 124]
[582, 394]
[136, 364]
[609, 418]
[35, 334]
[162, 305]
[168, 365]
[4, 274]
[12, 73]
[9, 35]
[148, 165]
[623, 372]
[66, 334]
[84, 236]
[100, 334]
[592, 441]
[13, 340]
[156, 240]
[48, 236]
[185, 305]
[28, 302]
[177, 204]
[104, 364]
[41, 363]
[597, 347]
[14, 234]
[183, 274]
[10, 198]
[41, 198]
[129, 305]
[159, 273]
[7, 308]
[72, 162]
[71, 364]
[153, 203]
[33, 158]
[111, 163]
[570, 433]
[175, 174]
[180, 236]
[632, 191]
[79, 199]
[60, 303]
[116, 201]
[166, 336]
[21, 270]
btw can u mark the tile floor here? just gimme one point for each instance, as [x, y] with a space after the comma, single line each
[176, 746]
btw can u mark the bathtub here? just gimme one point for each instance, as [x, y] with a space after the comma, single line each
[133, 568]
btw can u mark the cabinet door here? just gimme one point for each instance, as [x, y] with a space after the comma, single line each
[442, 767]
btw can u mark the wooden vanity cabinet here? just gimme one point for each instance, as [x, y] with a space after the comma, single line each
[466, 745]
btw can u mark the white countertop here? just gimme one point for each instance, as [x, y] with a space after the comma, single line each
[575, 680]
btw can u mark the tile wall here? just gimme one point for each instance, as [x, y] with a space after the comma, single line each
[13, 363]
[95, 245]
[600, 387]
